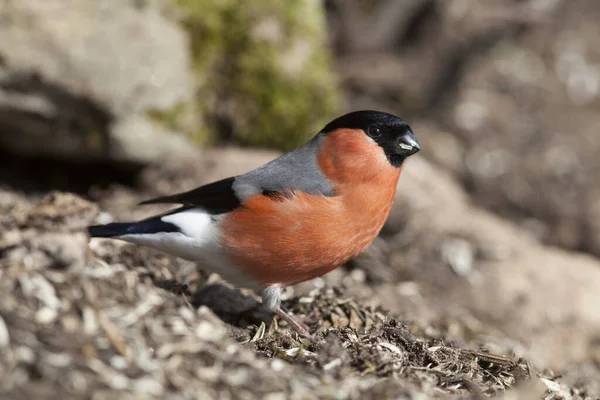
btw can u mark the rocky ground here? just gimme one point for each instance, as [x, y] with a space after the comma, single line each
[483, 283]
[449, 302]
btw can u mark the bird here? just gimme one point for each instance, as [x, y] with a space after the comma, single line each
[290, 220]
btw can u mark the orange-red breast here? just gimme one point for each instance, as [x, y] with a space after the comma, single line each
[292, 219]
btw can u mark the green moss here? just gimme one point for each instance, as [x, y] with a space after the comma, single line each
[181, 118]
[250, 87]
[169, 118]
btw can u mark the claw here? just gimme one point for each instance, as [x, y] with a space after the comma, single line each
[297, 326]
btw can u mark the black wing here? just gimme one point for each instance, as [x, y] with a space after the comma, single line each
[216, 198]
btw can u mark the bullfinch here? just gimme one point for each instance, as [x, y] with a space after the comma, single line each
[292, 219]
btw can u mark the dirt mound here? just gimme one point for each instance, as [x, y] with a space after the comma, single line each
[120, 321]
[116, 322]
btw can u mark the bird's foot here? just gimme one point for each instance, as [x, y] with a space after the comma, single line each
[298, 326]
[271, 296]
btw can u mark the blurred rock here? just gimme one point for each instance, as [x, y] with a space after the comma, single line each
[117, 80]
[544, 297]
[440, 146]
[81, 80]
[533, 157]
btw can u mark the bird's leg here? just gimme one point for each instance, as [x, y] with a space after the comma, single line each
[271, 296]
[292, 322]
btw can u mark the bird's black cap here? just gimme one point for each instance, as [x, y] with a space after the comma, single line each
[389, 131]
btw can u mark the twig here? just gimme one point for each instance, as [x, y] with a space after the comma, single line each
[113, 334]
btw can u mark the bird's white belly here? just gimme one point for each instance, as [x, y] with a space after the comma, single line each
[198, 241]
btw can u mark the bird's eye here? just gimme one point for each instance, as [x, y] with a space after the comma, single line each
[374, 132]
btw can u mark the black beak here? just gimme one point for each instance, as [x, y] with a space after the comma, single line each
[408, 144]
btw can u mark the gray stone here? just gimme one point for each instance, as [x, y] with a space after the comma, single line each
[73, 73]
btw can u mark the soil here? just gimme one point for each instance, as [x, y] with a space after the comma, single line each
[451, 301]
[108, 320]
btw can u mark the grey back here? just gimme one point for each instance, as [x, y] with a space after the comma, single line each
[296, 170]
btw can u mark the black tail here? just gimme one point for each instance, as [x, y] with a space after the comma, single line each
[110, 230]
[150, 225]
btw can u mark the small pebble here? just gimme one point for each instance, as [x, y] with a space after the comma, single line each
[25, 354]
[4, 335]
[277, 365]
[118, 362]
[45, 315]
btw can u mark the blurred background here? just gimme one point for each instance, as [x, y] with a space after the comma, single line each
[497, 218]
[504, 96]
